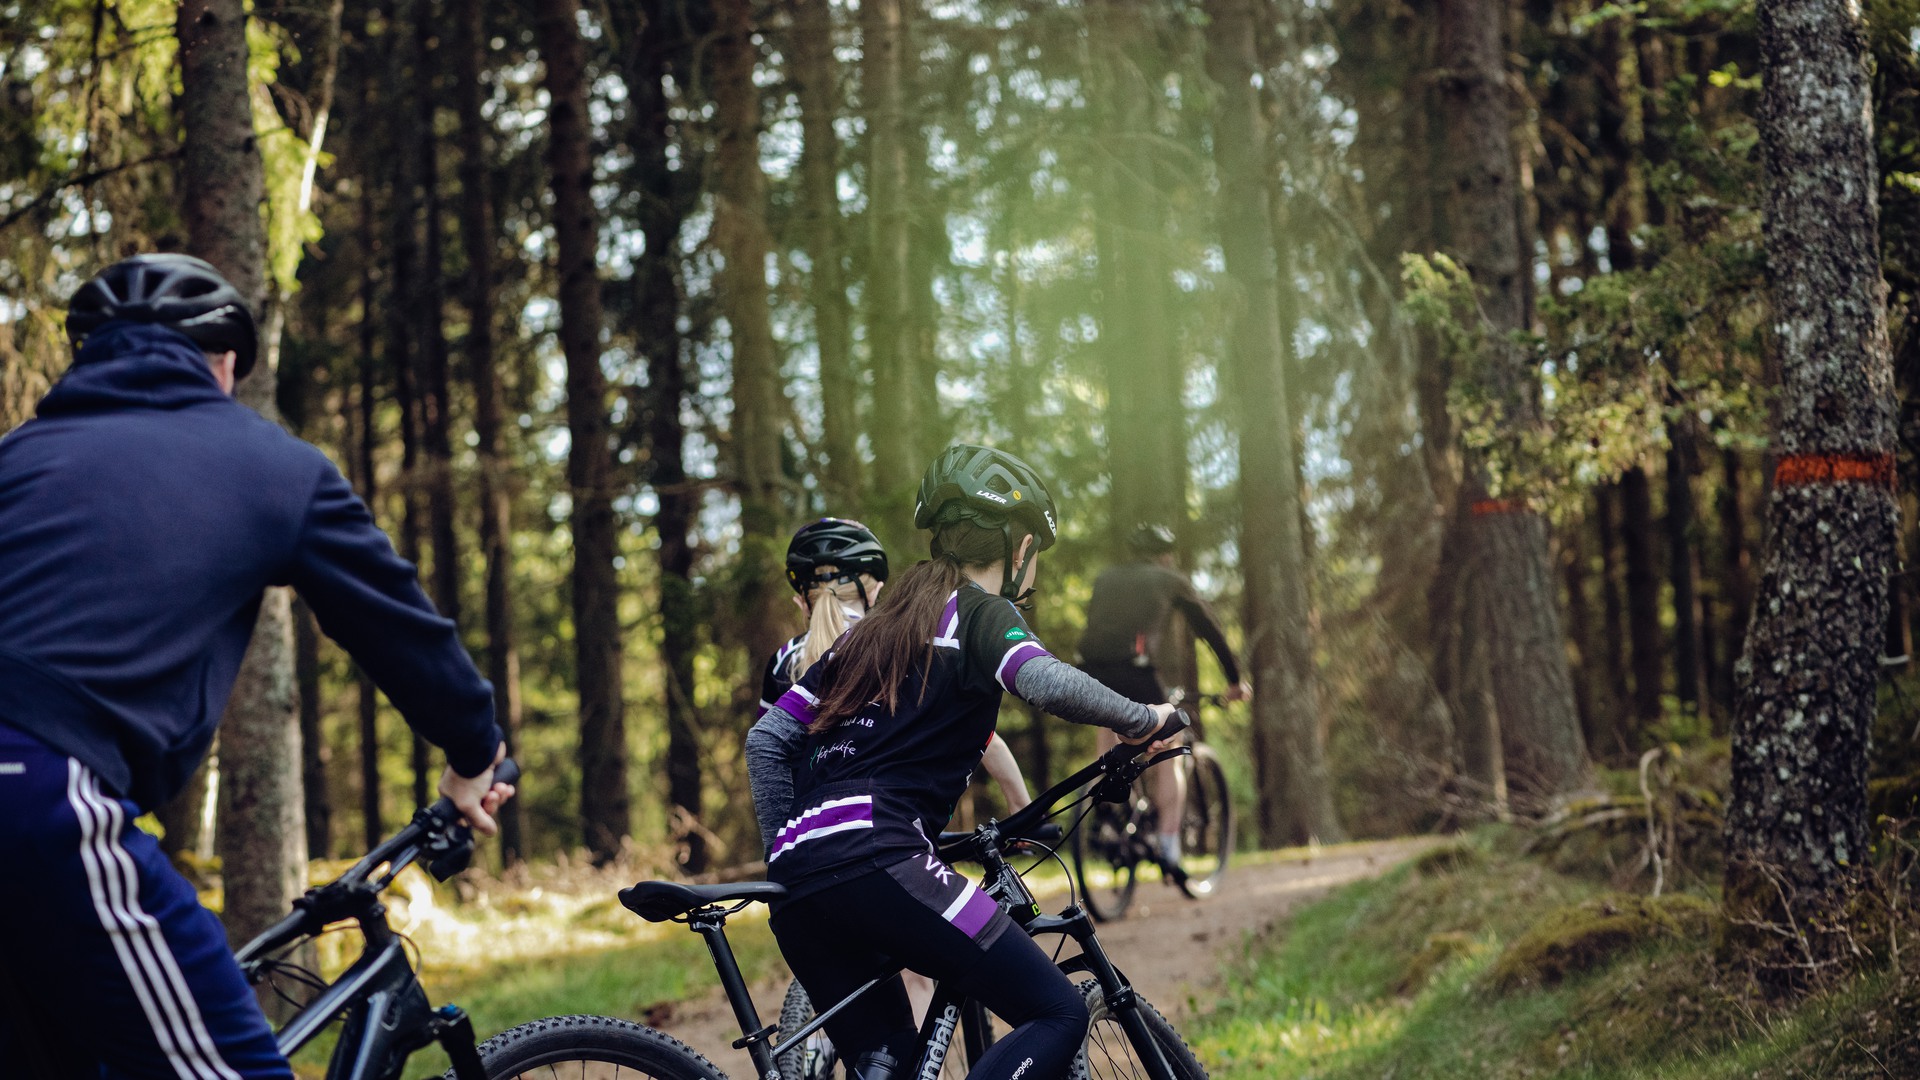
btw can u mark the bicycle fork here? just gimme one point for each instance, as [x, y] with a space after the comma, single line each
[1114, 988]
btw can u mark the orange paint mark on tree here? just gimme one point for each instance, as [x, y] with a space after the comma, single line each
[1800, 469]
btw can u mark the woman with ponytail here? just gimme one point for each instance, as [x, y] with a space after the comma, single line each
[858, 763]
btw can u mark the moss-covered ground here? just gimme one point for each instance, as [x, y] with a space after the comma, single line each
[1479, 960]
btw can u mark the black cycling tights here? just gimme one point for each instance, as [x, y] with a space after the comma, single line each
[838, 938]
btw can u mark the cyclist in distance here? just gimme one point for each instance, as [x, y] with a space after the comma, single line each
[837, 569]
[142, 513]
[1126, 618]
[858, 765]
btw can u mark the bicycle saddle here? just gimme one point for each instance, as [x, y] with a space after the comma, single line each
[658, 901]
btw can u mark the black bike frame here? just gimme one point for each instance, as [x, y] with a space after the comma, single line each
[943, 1015]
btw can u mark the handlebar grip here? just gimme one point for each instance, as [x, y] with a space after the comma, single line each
[507, 772]
[1175, 724]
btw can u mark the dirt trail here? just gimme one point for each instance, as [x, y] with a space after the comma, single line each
[1170, 947]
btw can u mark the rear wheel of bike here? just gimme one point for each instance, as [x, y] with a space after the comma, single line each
[1104, 858]
[816, 1058]
[813, 1059]
[1206, 825]
[1109, 1053]
[591, 1047]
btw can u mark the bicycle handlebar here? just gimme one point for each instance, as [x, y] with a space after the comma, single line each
[435, 829]
[1023, 823]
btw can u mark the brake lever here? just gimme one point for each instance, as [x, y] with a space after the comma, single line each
[1164, 755]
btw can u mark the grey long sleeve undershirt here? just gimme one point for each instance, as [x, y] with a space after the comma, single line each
[777, 740]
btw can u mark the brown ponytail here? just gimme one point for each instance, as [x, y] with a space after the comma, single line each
[883, 649]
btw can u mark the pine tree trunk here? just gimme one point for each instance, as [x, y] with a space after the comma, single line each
[261, 838]
[1689, 669]
[1613, 619]
[403, 300]
[436, 396]
[1797, 836]
[1545, 757]
[1643, 601]
[604, 813]
[1736, 572]
[1573, 573]
[1145, 419]
[816, 90]
[654, 52]
[1296, 798]
[318, 806]
[366, 481]
[493, 488]
[893, 427]
[740, 233]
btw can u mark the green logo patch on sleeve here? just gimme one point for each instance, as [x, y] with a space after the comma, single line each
[1014, 633]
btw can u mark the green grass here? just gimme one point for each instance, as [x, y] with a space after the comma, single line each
[1392, 977]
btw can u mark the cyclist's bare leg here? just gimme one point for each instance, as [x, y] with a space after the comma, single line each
[1169, 794]
[1167, 787]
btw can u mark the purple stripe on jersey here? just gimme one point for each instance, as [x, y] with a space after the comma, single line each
[822, 819]
[1017, 658]
[974, 915]
[795, 703]
[950, 622]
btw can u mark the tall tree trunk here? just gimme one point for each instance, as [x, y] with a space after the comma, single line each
[1736, 573]
[1145, 421]
[495, 495]
[1613, 618]
[366, 480]
[815, 87]
[436, 420]
[1573, 571]
[1643, 599]
[1689, 668]
[740, 233]
[604, 813]
[1797, 836]
[893, 429]
[1532, 688]
[261, 838]
[496, 526]
[1296, 798]
[403, 300]
[652, 49]
[318, 805]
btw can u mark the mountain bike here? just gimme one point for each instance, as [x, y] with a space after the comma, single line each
[386, 1013]
[1128, 1036]
[1117, 839]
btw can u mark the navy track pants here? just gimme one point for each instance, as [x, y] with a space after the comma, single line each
[111, 967]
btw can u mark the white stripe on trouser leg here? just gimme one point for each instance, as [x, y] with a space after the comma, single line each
[170, 1010]
[116, 818]
[106, 908]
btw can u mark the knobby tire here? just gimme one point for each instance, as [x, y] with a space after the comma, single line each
[621, 1051]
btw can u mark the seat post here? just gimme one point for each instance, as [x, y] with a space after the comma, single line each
[711, 924]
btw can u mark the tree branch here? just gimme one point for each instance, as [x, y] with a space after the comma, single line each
[83, 180]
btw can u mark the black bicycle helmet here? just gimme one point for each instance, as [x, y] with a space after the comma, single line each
[847, 546]
[992, 487]
[175, 291]
[1151, 538]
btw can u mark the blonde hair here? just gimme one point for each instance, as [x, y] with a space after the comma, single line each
[827, 617]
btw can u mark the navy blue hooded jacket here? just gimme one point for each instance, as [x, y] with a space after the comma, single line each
[142, 513]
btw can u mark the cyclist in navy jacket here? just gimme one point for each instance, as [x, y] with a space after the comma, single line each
[856, 767]
[142, 513]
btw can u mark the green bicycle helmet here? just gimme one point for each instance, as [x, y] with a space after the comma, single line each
[992, 489]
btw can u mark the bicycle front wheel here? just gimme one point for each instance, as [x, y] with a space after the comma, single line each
[1110, 1053]
[1206, 825]
[1104, 858]
[593, 1048]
